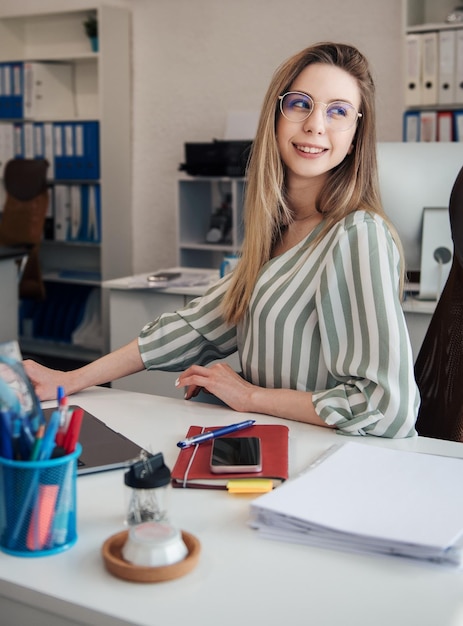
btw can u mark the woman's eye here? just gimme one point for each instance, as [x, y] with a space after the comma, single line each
[300, 104]
[338, 110]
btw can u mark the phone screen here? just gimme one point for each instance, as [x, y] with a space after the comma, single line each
[236, 454]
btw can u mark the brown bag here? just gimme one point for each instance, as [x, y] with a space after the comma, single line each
[24, 217]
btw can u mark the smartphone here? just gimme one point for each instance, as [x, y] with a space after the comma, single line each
[163, 277]
[236, 454]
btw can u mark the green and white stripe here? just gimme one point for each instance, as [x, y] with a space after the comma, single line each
[325, 319]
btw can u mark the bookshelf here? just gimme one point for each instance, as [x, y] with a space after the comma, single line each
[101, 92]
[433, 80]
[202, 204]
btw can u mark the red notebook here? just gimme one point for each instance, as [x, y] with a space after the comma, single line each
[192, 466]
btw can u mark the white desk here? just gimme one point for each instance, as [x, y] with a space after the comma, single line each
[241, 578]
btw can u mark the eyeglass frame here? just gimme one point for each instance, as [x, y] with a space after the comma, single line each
[302, 93]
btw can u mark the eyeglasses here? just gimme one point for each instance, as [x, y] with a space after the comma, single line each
[296, 106]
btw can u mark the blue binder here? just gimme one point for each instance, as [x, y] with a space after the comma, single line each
[17, 90]
[58, 147]
[91, 150]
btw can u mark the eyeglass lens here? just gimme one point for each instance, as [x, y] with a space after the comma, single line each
[297, 107]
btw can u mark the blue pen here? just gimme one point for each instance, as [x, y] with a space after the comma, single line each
[6, 444]
[212, 434]
[48, 441]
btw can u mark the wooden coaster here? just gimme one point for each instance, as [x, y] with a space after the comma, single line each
[116, 565]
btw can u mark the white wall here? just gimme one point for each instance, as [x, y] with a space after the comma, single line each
[194, 60]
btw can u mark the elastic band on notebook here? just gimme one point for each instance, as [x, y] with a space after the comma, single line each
[190, 463]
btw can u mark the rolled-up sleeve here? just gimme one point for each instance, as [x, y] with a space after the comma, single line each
[196, 334]
[364, 337]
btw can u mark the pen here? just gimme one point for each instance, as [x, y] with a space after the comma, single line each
[212, 434]
[48, 439]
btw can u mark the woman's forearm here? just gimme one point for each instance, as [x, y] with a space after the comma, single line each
[122, 362]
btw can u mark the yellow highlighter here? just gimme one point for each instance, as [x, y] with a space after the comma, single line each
[249, 485]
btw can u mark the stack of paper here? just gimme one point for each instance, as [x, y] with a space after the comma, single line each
[371, 499]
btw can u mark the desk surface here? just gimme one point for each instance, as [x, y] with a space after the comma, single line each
[241, 578]
[193, 282]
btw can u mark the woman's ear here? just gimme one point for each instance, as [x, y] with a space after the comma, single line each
[351, 149]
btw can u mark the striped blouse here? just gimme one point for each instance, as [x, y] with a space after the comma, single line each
[324, 318]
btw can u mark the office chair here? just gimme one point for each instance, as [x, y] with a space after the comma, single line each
[439, 365]
[23, 218]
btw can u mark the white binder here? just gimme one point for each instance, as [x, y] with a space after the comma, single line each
[444, 126]
[428, 126]
[28, 137]
[48, 148]
[459, 65]
[48, 90]
[62, 212]
[429, 65]
[413, 43]
[447, 51]
[6, 145]
[411, 126]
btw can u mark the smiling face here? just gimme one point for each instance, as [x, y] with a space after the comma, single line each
[311, 148]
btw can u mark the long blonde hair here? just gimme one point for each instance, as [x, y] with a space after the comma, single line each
[351, 186]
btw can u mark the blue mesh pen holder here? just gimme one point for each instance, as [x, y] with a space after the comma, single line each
[38, 505]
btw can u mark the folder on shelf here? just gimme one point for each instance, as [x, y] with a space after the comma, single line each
[48, 147]
[413, 52]
[444, 126]
[447, 66]
[38, 141]
[11, 90]
[75, 233]
[2, 93]
[428, 126]
[61, 212]
[458, 125]
[28, 138]
[58, 151]
[411, 126]
[6, 145]
[69, 166]
[17, 90]
[18, 141]
[48, 90]
[429, 68]
[370, 499]
[192, 466]
[91, 213]
[5, 100]
[459, 65]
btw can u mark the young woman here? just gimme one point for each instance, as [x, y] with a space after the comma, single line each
[313, 307]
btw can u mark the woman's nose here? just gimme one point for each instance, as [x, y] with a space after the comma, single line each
[316, 122]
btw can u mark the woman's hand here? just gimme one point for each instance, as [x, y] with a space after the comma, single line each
[44, 380]
[221, 381]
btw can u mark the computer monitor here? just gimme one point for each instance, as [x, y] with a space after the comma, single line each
[413, 176]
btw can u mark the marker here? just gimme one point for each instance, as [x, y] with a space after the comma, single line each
[212, 434]
[72, 435]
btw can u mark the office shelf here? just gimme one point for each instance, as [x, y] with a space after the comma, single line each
[102, 92]
[199, 199]
[433, 85]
